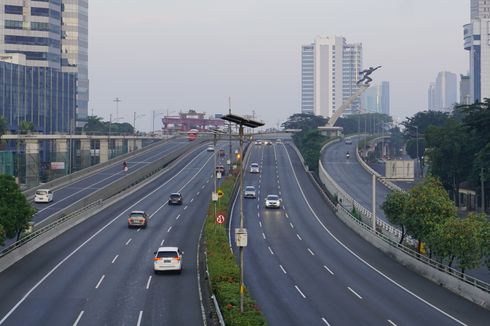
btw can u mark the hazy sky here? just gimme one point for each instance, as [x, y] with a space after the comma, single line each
[176, 54]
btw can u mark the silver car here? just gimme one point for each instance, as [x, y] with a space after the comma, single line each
[272, 201]
[249, 192]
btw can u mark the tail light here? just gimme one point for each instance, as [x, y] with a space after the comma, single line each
[177, 258]
[129, 220]
[156, 259]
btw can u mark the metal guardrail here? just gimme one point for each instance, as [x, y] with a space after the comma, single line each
[394, 234]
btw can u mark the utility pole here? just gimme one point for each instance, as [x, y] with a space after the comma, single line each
[229, 126]
[117, 100]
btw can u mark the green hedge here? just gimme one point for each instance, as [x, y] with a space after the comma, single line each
[223, 269]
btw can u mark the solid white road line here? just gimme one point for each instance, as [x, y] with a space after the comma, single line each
[328, 269]
[78, 318]
[297, 288]
[127, 242]
[272, 252]
[148, 283]
[298, 236]
[392, 323]
[311, 252]
[283, 270]
[325, 321]
[357, 295]
[139, 318]
[100, 281]
[114, 259]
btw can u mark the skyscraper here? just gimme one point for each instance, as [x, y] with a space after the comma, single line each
[443, 93]
[477, 42]
[74, 48]
[464, 90]
[376, 99]
[52, 34]
[330, 70]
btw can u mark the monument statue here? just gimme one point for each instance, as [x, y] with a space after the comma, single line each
[365, 77]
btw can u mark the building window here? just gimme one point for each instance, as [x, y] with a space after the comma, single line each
[16, 10]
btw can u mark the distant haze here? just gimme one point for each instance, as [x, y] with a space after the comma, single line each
[180, 55]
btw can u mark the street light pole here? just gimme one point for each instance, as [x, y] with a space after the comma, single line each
[117, 100]
[240, 133]
[417, 136]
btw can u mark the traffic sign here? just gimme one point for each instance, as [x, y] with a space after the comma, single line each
[220, 219]
[220, 193]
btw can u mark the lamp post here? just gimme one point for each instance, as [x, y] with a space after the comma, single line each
[136, 116]
[154, 115]
[417, 148]
[241, 233]
[117, 100]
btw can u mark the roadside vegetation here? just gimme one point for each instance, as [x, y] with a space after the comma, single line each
[15, 211]
[224, 271]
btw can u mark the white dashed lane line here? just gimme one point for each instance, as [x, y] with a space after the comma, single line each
[139, 229]
[114, 259]
[392, 323]
[192, 200]
[161, 243]
[178, 216]
[260, 223]
[127, 242]
[272, 252]
[78, 318]
[100, 281]
[170, 228]
[355, 293]
[263, 235]
[311, 252]
[139, 318]
[325, 321]
[328, 269]
[302, 294]
[291, 224]
[148, 283]
[283, 270]
[298, 236]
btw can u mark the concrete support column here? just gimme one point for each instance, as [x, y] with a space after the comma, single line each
[138, 144]
[85, 153]
[32, 162]
[104, 150]
[131, 145]
[61, 155]
[119, 147]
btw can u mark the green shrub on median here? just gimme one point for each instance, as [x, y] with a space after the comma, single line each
[223, 269]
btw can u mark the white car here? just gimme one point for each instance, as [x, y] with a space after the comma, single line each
[254, 168]
[348, 141]
[272, 201]
[43, 196]
[249, 192]
[210, 148]
[168, 259]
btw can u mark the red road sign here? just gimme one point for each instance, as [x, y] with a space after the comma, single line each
[220, 219]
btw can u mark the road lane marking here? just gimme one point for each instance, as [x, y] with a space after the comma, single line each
[178, 216]
[362, 260]
[325, 321]
[148, 283]
[100, 281]
[127, 242]
[161, 243]
[298, 236]
[302, 294]
[260, 223]
[186, 207]
[392, 323]
[328, 269]
[114, 259]
[139, 318]
[272, 252]
[263, 235]
[291, 224]
[283, 270]
[192, 199]
[357, 295]
[287, 215]
[311, 252]
[78, 318]
[139, 229]
[170, 228]
[198, 193]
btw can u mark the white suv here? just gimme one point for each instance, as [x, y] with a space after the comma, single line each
[249, 192]
[254, 168]
[168, 259]
[43, 196]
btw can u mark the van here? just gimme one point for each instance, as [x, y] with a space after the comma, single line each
[43, 196]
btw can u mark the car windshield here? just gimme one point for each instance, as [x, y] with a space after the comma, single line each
[175, 196]
[41, 192]
[249, 188]
[254, 165]
[167, 254]
[272, 197]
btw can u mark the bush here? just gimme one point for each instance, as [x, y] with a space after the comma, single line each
[223, 269]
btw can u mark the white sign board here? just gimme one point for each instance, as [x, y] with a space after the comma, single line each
[241, 237]
[400, 169]
[57, 165]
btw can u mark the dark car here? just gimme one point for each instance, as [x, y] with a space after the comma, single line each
[175, 199]
[220, 169]
[221, 153]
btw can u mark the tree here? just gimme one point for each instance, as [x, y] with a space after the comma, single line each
[395, 207]
[304, 121]
[3, 126]
[15, 211]
[310, 143]
[428, 205]
[26, 127]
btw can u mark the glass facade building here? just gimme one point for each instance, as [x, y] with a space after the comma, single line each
[307, 79]
[45, 96]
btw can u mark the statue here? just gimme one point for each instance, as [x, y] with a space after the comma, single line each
[365, 78]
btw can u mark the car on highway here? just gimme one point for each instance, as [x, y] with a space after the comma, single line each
[138, 219]
[258, 142]
[254, 168]
[175, 199]
[43, 196]
[168, 259]
[249, 192]
[220, 169]
[221, 153]
[210, 148]
[272, 201]
[348, 141]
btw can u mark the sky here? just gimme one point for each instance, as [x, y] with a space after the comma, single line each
[169, 56]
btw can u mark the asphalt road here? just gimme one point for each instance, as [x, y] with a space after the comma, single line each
[101, 273]
[305, 267]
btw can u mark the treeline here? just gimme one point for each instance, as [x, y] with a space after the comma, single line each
[427, 214]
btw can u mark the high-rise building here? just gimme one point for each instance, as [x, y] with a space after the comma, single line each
[445, 91]
[330, 70]
[74, 50]
[464, 90]
[376, 99]
[50, 33]
[477, 42]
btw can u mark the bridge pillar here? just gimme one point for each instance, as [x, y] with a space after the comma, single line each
[138, 143]
[32, 162]
[61, 155]
[85, 153]
[119, 147]
[104, 150]
[131, 145]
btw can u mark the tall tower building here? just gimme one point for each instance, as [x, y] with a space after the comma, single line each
[464, 90]
[330, 70]
[51, 34]
[445, 91]
[74, 51]
[477, 42]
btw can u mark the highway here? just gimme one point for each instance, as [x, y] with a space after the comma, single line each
[101, 273]
[305, 267]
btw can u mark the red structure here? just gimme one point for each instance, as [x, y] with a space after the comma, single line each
[190, 120]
